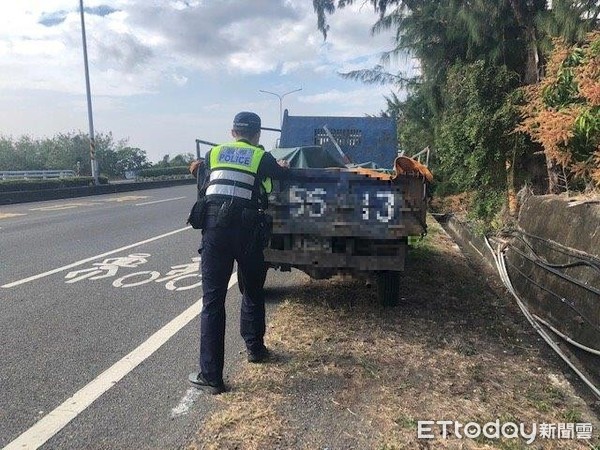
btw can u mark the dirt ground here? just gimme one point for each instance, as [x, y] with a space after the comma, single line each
[350, 374]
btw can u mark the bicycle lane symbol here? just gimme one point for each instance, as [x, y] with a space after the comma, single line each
[181, 277]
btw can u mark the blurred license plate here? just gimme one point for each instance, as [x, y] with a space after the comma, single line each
[365, 204]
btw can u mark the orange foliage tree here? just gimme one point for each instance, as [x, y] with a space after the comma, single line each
[563, 112]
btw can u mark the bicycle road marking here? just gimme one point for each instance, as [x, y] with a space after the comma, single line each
[56, 420]
[83, 261]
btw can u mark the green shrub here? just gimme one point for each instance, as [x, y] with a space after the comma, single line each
[54, 183]
[442, 188]
[163, 171]
[487, 208]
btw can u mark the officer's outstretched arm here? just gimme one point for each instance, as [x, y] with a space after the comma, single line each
[194, 165]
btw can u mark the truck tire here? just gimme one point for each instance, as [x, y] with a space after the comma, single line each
[388, 287]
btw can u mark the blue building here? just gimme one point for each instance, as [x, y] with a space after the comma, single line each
[362, 139]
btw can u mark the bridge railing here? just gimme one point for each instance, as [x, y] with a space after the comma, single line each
[35, 174]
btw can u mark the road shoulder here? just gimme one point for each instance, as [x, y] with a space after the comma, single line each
[348, 374]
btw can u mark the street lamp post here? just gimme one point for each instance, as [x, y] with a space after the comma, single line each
[280, 97]
[93, 163]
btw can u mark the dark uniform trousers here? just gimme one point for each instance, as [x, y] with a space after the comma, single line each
[220, 247]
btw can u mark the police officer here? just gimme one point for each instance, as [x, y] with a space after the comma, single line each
[238, 177]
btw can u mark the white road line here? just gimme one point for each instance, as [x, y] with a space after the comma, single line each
[9, 215]
[159, 201]
[56, 420]
[62, 206]
[83, 261]
[125, 198]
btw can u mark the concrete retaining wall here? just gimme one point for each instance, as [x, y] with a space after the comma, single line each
[554, 229]
[562, 228]
[469, 242]
[55, 194]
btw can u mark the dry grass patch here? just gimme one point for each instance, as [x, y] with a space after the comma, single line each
[245, 420]
[349, 374]
[458, 204]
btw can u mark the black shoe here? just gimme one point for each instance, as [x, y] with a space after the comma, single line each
[259, 356]
[200, 382]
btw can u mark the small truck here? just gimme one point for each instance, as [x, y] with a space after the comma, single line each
[349, 219]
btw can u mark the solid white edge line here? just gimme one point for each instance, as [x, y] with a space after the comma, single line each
[56, 420]
[159, 201]
[83, 261]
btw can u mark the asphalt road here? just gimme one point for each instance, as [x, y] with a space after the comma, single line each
[98, 322]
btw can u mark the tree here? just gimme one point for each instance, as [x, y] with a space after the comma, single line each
[181, 159]
[446, 36]
[164, 162]
[477, 29]
[67, 151]
[6, 153]
[569, 20]
[27, 155]
[563, 112]
[414, 121]
[131, 158]
[480, 149]
[64, 150]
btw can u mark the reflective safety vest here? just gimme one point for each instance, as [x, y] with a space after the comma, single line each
[233, 172]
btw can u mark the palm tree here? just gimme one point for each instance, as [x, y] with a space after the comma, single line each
[441, 33]
[570, 20]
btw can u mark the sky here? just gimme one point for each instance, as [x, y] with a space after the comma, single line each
[166, 72]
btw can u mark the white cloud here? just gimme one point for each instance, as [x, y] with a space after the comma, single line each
[352, 101]
[146, 42]
[180, 80]
[177, 57]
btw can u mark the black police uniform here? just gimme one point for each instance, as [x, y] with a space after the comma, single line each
[229, 234]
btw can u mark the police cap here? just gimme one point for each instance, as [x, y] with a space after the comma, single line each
[246, 121]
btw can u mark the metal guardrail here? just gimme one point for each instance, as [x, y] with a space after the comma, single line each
[35, 174]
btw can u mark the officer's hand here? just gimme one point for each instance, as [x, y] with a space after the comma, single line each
[194, 166]
[283, 163]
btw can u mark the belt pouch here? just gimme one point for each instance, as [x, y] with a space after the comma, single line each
[196, 217]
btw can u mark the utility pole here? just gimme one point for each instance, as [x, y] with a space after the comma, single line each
[280, 97]
[93, 162]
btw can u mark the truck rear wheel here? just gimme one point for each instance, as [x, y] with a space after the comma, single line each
[388, 287]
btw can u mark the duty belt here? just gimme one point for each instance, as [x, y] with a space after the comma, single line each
[224, 215]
